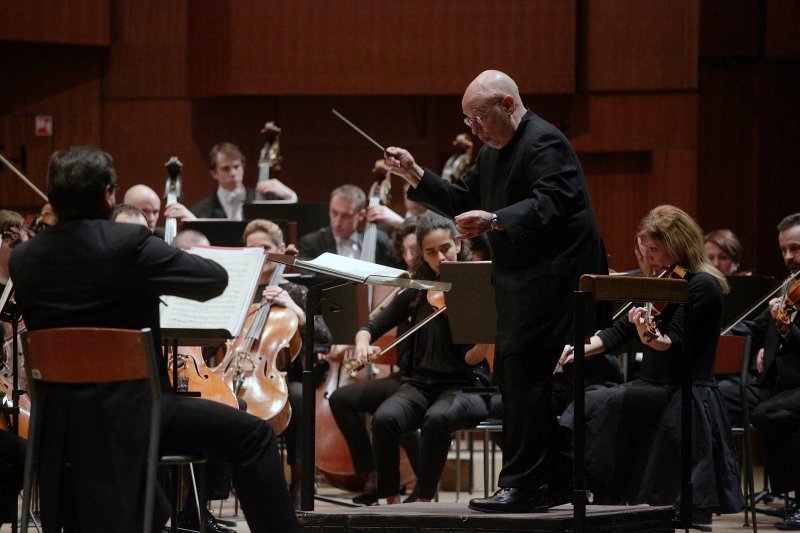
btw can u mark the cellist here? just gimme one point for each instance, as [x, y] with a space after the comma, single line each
[269, 236]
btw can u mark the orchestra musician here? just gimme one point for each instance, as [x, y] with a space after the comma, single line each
[128, 214]
[723, 250]
[12, 447]
[458, 163]
[346, 209]
[268, 235]
[633, 429]
[430, 396]
[527, 190]
[351, 402]
[145, 199]
[774, 397]
[226, 166]
[88, 271]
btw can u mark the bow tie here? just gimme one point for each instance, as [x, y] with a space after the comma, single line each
[237, 196]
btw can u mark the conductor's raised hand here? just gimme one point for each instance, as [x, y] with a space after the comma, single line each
[473, 223]
[402, 163]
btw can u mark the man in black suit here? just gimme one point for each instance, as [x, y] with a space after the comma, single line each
[527, 190]
[226, 165]
[89, 271]
[347, 208]
[774, 398]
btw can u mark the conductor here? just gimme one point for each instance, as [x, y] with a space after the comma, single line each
[528, 191]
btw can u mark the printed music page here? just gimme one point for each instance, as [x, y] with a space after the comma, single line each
[227, 311]
[352, 269]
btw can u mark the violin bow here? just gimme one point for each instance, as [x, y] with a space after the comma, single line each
[21, 176]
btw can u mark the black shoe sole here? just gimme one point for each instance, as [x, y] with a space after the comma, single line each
[535, 510]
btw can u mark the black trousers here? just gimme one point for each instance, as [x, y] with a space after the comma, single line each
[12, 465]
[351, 402]
[778, 420]
[437, 410]
[247, 443]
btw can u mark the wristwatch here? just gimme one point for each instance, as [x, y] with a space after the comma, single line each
[495, 222]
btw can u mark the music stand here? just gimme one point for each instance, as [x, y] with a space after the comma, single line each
[223, 232]
[327, 280]
[309, 216]
[470, 301]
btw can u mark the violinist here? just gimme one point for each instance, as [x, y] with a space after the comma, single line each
[774, 397]
[430, 397]
[268, 235]
[226, 166]
[351, 402]
[346, 210]
[633, 429]
[12, 447]
[723, 250]
[88, 271]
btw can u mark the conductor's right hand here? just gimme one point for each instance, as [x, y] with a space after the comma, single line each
[402, 163]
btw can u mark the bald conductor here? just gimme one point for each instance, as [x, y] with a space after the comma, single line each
[528, 192]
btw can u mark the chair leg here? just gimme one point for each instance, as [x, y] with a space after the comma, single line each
[458, 465]
[486, 464]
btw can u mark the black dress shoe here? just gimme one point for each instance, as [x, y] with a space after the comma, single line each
[790, 524]
[512, 500]
[189, 521]
[366, 498]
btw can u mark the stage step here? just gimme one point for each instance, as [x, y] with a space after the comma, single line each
[457, 518]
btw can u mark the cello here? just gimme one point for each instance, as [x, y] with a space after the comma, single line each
[250, 366]
[192, 373]
[332, 456]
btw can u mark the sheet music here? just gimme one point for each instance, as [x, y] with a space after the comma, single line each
[228, 310]
[352, 269]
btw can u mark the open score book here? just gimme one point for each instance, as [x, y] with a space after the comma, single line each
[223, 316]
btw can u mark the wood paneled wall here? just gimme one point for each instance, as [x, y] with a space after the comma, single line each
[666, 101]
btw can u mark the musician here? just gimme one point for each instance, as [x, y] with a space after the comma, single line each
[386, 218]
[226, 166]
[189, 238]
[723, 250]
[128, 214]
[774, 398]
[88, 271]
[430, 397]
[633, 430]
[459, 162]
[350, 403]
[268, 235]
[346, 209]
[527, 190]
[148, 202]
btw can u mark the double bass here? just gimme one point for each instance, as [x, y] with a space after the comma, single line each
[269, 159]
[332, 455]
[193, 375]
[250, 367]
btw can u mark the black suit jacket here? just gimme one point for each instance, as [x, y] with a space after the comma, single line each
[781, 354]
[536, 186]
[322, 240]
[211, 207]
[102, 274]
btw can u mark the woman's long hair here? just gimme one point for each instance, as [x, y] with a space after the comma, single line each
[683, 239]
[425, 224]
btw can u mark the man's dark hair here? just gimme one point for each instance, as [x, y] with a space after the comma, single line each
[78, 178]
[789, 222]
[427, 223]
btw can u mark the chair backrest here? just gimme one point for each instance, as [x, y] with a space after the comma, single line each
[88, 355]
[732, 355]
[92, 355]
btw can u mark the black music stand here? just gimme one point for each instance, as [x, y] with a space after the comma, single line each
[470, 301]
[316, 295]
[309, 216]
[597, 288]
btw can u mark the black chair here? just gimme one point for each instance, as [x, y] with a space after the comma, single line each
[76, 356]
[733, 358]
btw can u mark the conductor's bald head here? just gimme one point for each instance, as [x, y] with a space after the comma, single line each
[493, 107]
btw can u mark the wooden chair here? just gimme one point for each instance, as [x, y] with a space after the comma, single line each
[80, 356]
[733, 358]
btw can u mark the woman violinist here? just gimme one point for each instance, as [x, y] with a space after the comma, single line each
[430, 396]
[269, 236]
[633, 430]
[350, 402]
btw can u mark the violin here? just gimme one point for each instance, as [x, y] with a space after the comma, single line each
[651, 332]
[789, 298]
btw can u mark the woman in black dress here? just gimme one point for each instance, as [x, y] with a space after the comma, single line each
[633, 430]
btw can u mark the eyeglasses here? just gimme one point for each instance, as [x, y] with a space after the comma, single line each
[478, 120]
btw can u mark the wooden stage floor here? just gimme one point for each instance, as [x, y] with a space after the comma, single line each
[458, 518]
